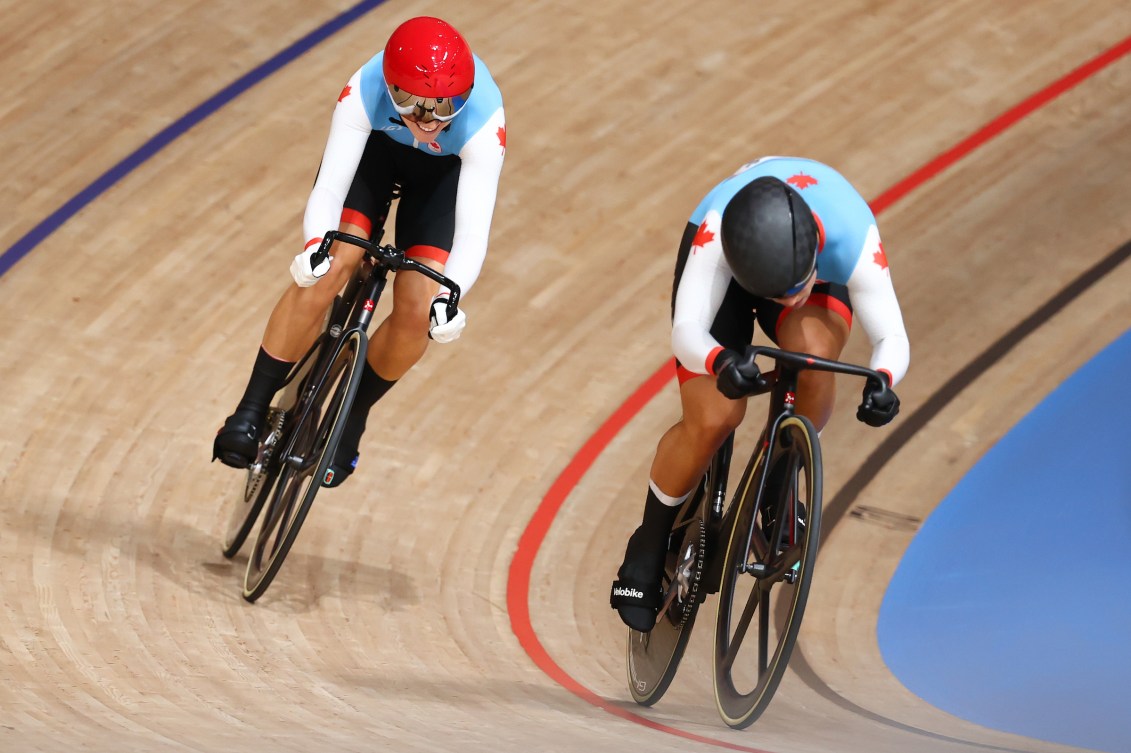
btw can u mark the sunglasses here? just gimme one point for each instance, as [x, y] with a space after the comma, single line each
[795, 289]
[427, 108]
[801, 285]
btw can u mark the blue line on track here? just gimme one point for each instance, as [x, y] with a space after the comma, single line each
[150, 148]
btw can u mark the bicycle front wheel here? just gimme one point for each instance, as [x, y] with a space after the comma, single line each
[767, 570]
[309, 448]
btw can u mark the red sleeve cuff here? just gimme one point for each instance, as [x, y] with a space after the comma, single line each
[714, 354]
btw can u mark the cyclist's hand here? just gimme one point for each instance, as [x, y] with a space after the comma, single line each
[879, 405]
[738, 375]
[304, 275]
[440, 328]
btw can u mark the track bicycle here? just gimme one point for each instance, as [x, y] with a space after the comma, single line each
[757, 554]
[308, 415]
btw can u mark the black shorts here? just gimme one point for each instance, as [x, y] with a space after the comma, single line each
[426, 212]
[733, 326]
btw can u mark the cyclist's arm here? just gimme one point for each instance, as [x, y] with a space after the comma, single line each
[877, 309]
[698, 296]
[481, 162]
[349, 131]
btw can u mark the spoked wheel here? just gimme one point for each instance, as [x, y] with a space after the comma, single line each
[654, 657]
[318, 423]
[253, 491]
[767, 570]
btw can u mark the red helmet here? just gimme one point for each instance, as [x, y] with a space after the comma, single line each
[426, 57]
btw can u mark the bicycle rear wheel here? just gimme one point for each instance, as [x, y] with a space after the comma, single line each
[318, 423]
[261, 476]
[767, 570]
[653, 657]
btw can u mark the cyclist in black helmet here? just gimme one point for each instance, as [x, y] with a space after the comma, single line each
[788, 243]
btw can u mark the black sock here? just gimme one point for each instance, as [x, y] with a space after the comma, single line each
[646, 546]
[267, 376]
[658, 517]
[371, 389]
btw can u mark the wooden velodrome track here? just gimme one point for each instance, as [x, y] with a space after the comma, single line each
[401, 620]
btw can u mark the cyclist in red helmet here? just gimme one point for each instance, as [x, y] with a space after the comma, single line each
[429, 72]
[422, 120]
[790, 244]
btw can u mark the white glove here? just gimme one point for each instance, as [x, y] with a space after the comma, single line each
[301, 271]
[440, 328]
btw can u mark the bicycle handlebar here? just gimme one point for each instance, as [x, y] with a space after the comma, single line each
[388, 257]
[802, 361]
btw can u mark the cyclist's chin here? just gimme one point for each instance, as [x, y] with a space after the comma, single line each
[794, 301]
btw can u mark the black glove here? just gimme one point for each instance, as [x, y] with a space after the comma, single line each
[738, 375]
[879, 405]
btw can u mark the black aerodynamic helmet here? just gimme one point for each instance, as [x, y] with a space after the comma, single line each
[769, 238]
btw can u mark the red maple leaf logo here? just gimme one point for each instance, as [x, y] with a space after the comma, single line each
[881, 258]
[502, 134]
[801, 181]
[345, 93]
[703, 236]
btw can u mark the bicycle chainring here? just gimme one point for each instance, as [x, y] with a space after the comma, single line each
[683, 586]
[257, 471]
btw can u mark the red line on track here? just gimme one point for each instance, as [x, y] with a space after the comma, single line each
[518, 580]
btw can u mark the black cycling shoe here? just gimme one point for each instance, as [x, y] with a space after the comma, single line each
[237, 442]
[637, 594]
[338, 472]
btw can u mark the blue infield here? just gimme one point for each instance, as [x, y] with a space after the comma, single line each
[1012, 607]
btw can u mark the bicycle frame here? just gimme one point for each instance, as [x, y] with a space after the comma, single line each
[783, 397]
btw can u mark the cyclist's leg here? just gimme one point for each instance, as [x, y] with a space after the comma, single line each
[293, 326]
[819, 327]
[297, 318]
[688, 446]
[402, 338]
[682, 457]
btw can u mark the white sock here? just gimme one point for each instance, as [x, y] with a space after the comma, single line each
[668, 501]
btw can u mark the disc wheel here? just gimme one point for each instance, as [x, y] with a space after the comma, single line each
[767, 570]
[253, 489]
[654, 657]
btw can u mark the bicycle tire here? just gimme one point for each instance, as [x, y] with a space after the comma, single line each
[318, 424]
[256, 486]
[786, 567]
